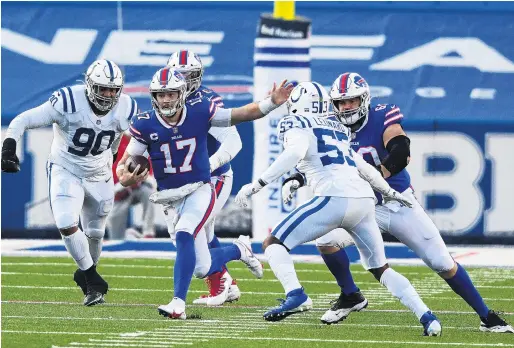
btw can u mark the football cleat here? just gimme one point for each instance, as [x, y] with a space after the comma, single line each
[219, 289]
[296, 301]
[80, 278]
[96, 288]
[493, 323]
[343, 306]
[247, 256]
[431, 325]
[93, 297]
[234, 293]
[176, 309]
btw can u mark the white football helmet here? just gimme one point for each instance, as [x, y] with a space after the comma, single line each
[308, 99]
[348, 86]
[167, 80]
[103, 73]
[189, 65]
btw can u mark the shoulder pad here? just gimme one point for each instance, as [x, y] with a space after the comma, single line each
[63, 100]
[288, 122]
[138, 125]
[128, 109]
[390, 113]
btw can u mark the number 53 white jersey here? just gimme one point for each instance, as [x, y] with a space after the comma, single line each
[82, 141]
[328, 164]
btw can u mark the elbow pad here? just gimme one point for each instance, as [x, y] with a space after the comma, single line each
[399, 153]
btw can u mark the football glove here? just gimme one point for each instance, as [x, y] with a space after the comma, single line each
[393, 195]
[10, 162]
[291, 185]
[244, 194]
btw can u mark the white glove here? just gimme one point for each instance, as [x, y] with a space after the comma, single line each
[171, 195]
[393, 195]
[288, 190]
[242, 197]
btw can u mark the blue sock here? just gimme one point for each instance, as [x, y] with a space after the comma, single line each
[184, 264]
[214, 243]
[339, 264]
[463, 286]
[220, 256]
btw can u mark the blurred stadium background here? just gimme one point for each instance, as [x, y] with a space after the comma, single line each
[449, 66]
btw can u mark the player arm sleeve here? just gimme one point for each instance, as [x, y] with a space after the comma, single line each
[116, 144]
[399, 154]
[135, 148]
[370, 174]
[43, 115]
[295, 148]
[230, 146]
[221, 117]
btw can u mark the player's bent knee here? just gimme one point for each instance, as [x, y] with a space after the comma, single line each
[66, 221]
[377, 272]
[327, 249]
[94, 233]
[68, 231]
[269, 241]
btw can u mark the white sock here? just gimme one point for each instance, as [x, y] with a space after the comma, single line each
[282, 265]
[95, 248]
[78, 247]
[401, 288]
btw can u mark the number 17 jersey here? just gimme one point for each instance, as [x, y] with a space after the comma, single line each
[328, 164]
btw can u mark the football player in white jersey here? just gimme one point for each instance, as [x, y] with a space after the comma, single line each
[88, 121]
[320, 149]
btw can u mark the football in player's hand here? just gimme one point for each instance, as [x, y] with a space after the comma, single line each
[133, 161]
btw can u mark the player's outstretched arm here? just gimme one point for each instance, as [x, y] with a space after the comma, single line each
[43, 115]
[253, 111]
[295, 148]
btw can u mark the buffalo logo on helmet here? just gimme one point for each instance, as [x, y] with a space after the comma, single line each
[359, 81]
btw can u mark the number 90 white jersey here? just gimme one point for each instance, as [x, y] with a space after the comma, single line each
[328, 164]
[82, 141]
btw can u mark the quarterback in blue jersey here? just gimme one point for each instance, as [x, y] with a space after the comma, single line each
[379, 137]
[223, 144]
[174, 134]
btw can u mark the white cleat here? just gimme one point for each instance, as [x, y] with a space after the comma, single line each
[220, 286]
[176, 309]
[234, 293]
[247, 256]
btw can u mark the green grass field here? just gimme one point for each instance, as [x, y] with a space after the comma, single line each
[41, 307]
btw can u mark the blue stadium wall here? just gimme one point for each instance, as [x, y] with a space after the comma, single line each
[449, 66]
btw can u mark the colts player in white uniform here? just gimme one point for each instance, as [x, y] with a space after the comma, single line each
[320, 149]
[380, 138]
[223, 144]
[88, 121]
[175, 135]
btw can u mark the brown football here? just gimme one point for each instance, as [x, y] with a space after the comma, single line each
[133, 161]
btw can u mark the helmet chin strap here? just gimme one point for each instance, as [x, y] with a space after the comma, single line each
[96, 110]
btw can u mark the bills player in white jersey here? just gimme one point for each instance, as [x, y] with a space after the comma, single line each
[379, 136]
[175, 135]
[320, 149]
[223, 144]
[88, 121]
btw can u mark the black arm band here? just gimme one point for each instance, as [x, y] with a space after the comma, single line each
[296, 176]
[114, 157]
[399, 152]
[262, 182]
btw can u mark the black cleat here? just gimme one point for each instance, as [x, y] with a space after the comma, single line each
[93, 297]
[80, 278]
[493, 323]
[96, 287]
[343, 306]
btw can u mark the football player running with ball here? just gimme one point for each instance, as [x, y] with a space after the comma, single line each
[223, 144]
[343, 198]
[175, 135]
[88, 121]
[377, 135]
